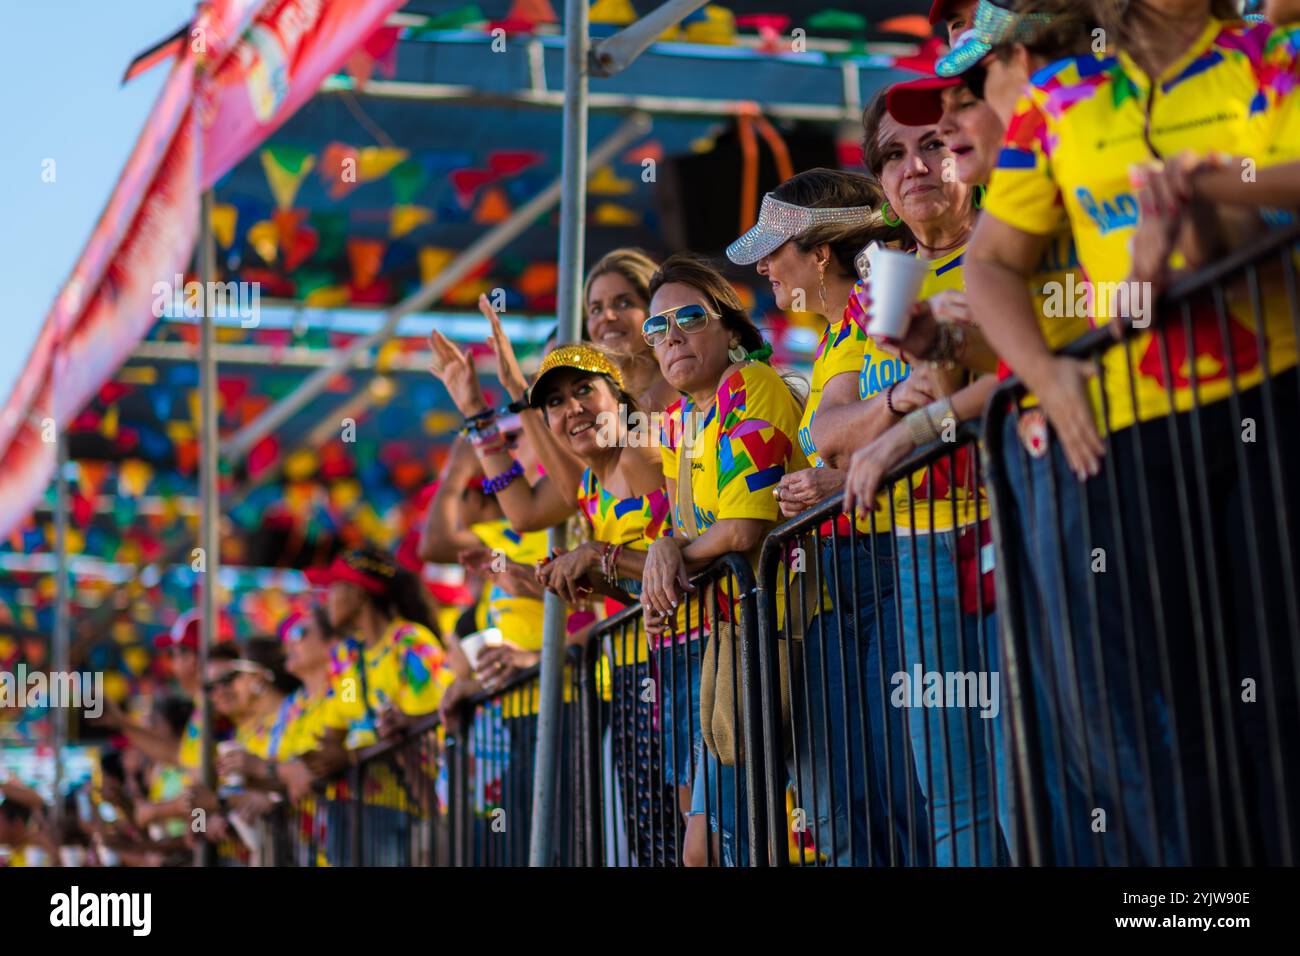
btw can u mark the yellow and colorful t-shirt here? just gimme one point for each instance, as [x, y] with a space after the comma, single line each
[954, 493]
[839, 352]
[742, 448]
[1083, 124]
[630, 522]
[406, 668]
[744, 445]
[519, 618]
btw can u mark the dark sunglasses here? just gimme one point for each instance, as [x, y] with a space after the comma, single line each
[225, 680]
[689, 318]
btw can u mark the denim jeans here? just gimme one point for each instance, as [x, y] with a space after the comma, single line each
[958, 751]
[1157, 731]
[715, 792]
[677, 671]
[849, 654]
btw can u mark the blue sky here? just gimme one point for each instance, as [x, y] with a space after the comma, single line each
[61, 74]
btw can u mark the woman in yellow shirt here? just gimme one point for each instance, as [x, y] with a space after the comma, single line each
[809, 232]
[735, 434]
[1183, 78]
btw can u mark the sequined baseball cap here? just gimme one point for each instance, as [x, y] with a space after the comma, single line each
[580, 356]
[779, 222]
[992, 24]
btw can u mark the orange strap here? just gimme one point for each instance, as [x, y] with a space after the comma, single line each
[748, 119]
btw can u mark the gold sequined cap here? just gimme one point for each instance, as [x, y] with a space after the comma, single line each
[583, 357]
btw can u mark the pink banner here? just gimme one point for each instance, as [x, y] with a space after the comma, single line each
[290, 47]
[262, 59]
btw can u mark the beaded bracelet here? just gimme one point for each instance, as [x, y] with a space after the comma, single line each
[889, 400]
[495, 484]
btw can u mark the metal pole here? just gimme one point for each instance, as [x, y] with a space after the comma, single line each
[486, 245]
[209, 492]
[62, 614]
[573, 219]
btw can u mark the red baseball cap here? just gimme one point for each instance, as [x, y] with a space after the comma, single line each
[185, 631]
[368, 570]
[939, 10]
[919, 102]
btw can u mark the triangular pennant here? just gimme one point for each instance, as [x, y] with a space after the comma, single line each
[332, 228]
[286, 167]
[365, 256]
[466, 182]
[223, 220]
[493, 207]
[605, 182]
[338, 169]
[532, 12]
[508, 162]
[617, 12]
[374, 162]
[718, 27]
[264, 237]
[612, 214]
[407, 179]
[651, 149]
[433, 260]
[405, 218]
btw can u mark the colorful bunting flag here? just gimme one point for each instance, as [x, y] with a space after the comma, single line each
[493, 207]
[617, 12]
[407, 179]
[286, 167]
[223, 220]
[612, 214]
[365, 256]
[605, 182]
[403, 219]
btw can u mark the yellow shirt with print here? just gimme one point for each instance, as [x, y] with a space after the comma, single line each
[927, 488]
[406, 668]
[840, 351]
[1084, 123]
[519, 618]
[747, 441]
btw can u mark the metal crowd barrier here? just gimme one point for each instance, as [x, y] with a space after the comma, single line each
[1151, 621]
[878, 658]
[1125, 695]
[648, 768]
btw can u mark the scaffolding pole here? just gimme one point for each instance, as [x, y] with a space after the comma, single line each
[573, 220]
[209, 496]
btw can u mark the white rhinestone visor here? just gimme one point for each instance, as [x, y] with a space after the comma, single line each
[779, 222]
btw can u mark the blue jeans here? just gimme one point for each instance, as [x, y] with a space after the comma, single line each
[1087, 709]
[875, 815]
[715, 792]
[677, 667]
[958, 749]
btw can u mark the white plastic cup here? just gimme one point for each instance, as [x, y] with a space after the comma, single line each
[473, 644]
[232, 781]
[895, 283]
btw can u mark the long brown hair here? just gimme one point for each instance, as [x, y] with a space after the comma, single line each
[835, 188]
[632, 264]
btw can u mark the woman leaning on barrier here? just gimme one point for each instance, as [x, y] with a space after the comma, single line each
[725, 445]
[972, 129]
[809, 230]
[937, 513]
[1179, 507]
